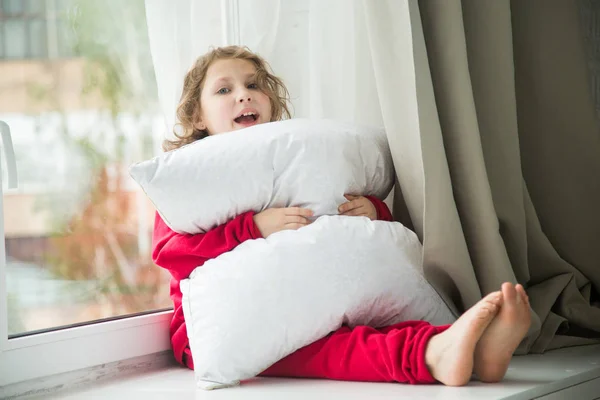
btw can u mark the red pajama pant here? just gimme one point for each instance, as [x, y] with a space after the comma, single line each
[392, 354]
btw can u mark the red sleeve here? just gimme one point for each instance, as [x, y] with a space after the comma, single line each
[383, 212]
[181, 254]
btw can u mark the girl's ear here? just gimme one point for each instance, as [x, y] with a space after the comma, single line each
[198, 124]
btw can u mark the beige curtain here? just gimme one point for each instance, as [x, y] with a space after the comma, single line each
[500, 169]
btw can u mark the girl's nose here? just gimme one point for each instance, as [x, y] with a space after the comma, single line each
[244, 95]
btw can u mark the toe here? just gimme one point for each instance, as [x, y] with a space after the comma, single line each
[522, 294]
[494, 298]
[509, 293]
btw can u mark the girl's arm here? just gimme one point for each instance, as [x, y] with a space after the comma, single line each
[181, 254]
[383, 212]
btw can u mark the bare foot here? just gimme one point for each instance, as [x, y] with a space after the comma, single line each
[497, 345]
[449, 355]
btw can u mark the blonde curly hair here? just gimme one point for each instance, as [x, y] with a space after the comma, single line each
[189, 106]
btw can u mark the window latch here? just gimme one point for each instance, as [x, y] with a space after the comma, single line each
[11, 162]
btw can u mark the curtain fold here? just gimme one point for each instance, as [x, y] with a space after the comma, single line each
[490, 115]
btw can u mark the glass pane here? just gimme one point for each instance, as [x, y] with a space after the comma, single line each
[38, 41]
[65, 39]
[36, 6]
[12, 7]
[16, 38]
[78, 230]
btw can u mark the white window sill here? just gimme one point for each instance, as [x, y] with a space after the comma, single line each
[33, 358]
[567, 373]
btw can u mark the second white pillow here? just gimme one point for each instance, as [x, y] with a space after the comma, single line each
[250, 307]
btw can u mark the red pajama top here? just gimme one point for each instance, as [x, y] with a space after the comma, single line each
[180, 254]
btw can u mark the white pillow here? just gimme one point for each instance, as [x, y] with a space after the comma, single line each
[297, 162]
[249, 308]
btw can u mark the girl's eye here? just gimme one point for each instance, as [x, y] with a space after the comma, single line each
[253, 86]
[223, 91]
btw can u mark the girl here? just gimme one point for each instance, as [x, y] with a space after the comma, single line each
[231, 88]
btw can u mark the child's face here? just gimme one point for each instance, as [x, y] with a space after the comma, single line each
[230, 99]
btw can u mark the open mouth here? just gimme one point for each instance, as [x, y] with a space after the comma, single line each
[246, 118]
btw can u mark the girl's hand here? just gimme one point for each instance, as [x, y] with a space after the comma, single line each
[274, 220]
[358, 206]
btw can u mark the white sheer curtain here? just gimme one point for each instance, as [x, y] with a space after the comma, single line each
[321, 49]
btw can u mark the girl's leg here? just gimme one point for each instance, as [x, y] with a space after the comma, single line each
[408, 352]
[395, 353]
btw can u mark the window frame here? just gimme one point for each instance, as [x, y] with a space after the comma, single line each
[70, 349]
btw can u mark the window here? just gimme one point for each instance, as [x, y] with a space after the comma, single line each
[77, 89]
